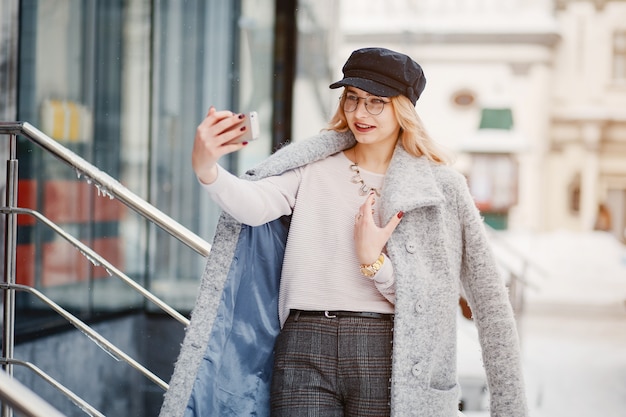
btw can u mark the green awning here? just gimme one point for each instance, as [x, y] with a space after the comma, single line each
[496, 119]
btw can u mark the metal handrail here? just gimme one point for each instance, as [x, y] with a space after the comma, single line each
[108, 185]
[493, 233]
[82, 404]
[98, 260]
[516, 294]
[96, 337]
[10, 256]
[23, 399]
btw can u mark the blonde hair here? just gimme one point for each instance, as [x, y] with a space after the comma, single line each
[413, 135]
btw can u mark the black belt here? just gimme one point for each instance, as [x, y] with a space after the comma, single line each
[338, 314]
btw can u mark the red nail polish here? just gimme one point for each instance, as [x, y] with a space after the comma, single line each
[244, 143]
[400, 214]
[242, 128]
[241, 116]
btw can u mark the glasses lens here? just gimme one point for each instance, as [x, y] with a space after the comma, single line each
[374, 105]
[350, 103]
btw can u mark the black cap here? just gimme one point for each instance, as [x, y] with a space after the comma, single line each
[383, 72]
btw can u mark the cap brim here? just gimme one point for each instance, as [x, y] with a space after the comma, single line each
[370, 86]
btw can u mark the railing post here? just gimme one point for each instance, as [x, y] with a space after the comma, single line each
[10, 241]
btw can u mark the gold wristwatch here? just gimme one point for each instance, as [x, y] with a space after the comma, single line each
[371, 269]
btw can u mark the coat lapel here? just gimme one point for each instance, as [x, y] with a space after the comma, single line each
[303, 152]
[409, 184]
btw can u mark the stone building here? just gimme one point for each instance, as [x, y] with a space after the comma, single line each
[529, 95]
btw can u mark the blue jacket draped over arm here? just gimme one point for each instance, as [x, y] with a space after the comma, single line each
[242, 337]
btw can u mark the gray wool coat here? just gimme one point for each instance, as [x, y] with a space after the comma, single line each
[224, 366]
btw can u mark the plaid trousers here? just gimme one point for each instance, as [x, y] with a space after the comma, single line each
[332, 367]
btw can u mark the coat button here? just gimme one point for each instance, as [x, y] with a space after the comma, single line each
[416, 370]
[411, 247]
[419, 307]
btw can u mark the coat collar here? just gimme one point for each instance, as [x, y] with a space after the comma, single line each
[303, 152]
[409, 183]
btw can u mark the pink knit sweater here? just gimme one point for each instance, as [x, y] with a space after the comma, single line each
[321, 268]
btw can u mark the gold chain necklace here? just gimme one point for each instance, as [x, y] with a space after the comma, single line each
[364, 189]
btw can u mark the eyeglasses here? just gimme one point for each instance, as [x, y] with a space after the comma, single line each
[374, 105]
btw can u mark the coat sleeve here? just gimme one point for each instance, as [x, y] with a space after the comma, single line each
[492, 313]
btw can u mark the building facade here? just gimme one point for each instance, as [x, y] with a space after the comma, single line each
[587, 145]
[554, 68]
[123, 84]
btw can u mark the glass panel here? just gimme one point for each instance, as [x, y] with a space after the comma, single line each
[193, 58]
[201, 59]
[121, 62]
[314, 103]
[83, 82]
[124, 84]
[255, 77]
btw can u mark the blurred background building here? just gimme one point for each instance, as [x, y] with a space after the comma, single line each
[530, 95]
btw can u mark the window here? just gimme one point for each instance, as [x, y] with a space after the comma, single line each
[492, 118]
[208, 53]
[464, 98]
[619, 56]
[84, 82]
[124, 83]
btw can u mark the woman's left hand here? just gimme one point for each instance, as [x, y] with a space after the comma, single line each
[370, 239]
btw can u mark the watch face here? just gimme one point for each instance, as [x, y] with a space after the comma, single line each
[371, 270]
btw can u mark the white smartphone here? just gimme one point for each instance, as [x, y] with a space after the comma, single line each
[251, 122]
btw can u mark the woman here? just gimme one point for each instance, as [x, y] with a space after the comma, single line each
[333, 283]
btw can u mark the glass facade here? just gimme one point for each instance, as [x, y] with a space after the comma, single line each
[124, 83]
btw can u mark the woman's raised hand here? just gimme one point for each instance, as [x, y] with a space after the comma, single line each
[369, 239]
[215, 137]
